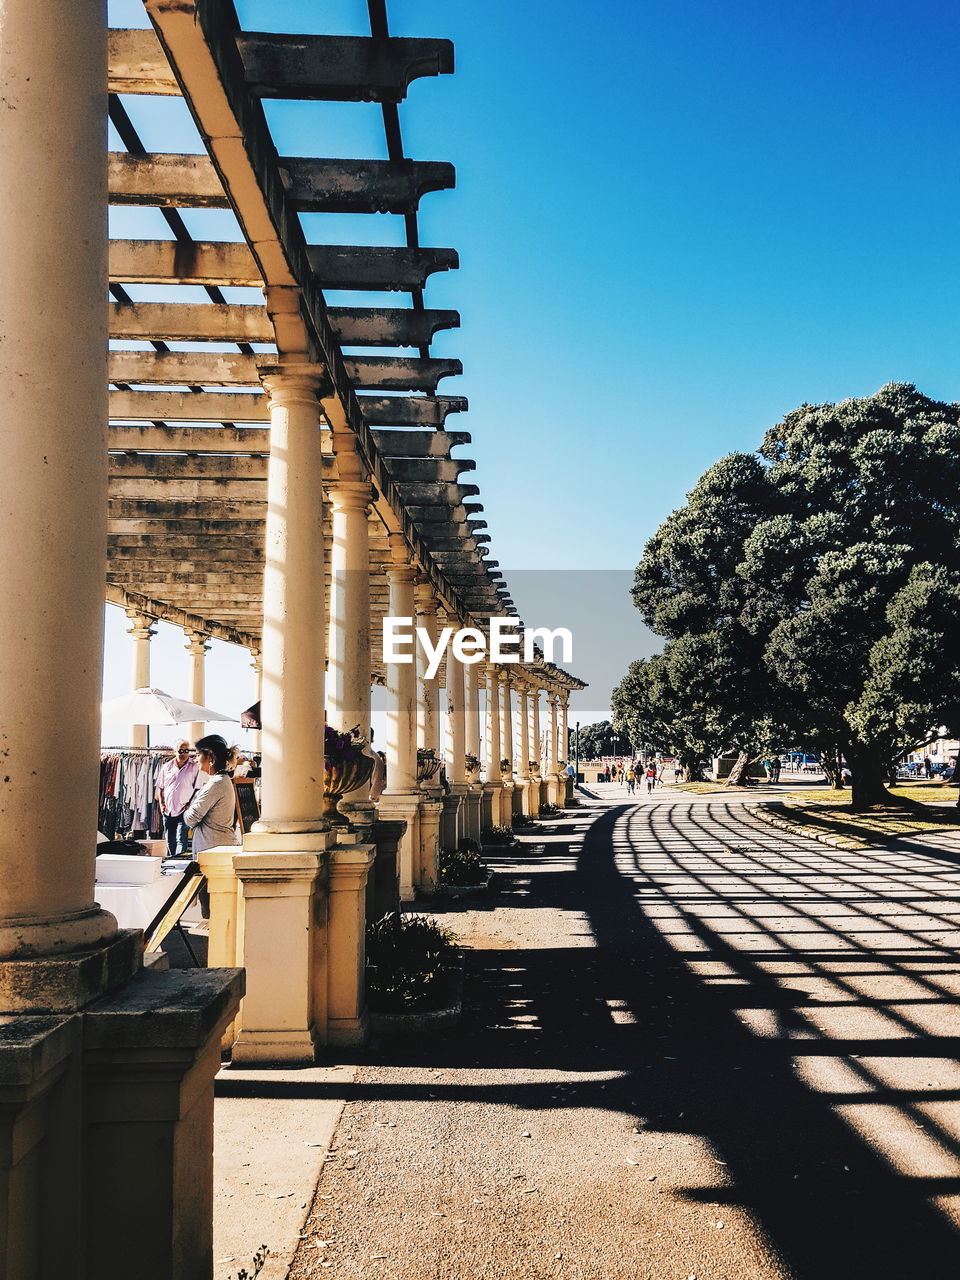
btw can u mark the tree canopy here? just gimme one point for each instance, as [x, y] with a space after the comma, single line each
[812, 591]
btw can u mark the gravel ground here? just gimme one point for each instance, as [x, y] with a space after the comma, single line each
[695, 1046]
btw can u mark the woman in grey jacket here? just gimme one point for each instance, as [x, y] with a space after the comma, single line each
[212, 813]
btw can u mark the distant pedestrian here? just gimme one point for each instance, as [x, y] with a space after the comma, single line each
[651, 776]
[631, 781]
[677, 771]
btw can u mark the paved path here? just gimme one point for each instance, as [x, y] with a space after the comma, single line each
[698, 1046]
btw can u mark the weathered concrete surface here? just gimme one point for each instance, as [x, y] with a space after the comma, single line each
[683, 1018]
[269, 1148]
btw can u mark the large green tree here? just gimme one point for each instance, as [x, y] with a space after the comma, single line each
[828, 566]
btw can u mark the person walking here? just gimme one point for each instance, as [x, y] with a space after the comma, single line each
[176, 784]
[631, 781]
[650, 773]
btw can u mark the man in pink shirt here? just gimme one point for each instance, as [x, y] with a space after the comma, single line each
[176, 784]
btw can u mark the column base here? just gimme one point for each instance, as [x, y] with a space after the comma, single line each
[279, 1048]
[430, 810]
[348, 1032]
[281, 943]
[450, 821]
[404, 807]
[26, 937]
[66, 983]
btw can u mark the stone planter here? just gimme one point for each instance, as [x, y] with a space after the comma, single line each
[465, 890]
[427, 769]
[419, 1022]
[340, 777]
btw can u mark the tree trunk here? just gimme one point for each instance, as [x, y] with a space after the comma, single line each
[692, 770]
[831, 766]
[737, 776]
[869, 766]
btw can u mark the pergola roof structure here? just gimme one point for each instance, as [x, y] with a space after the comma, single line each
[188, 437]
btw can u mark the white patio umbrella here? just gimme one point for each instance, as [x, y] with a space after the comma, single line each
[153, 706]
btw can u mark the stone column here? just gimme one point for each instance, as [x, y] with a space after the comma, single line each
[508, 748]
[283, 1015]
[428, 737]
[70, 1018]
[142, 631]
[348, 665]
[567, 784]
[455, 749]
[535, 752]
[349, 662]
[53, 428]
[522, 769]
[346, 923]
[257, 665]
[553, 768]
[401, 795]
[492, 787]
[471, 813]
[294, 622]
[197, 647]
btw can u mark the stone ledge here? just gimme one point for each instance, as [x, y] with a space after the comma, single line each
[31, 1046]
[176, 1009]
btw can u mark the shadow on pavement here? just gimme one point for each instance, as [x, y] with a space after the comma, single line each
[685, 1063]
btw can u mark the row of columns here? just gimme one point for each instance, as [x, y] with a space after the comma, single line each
[142, 630]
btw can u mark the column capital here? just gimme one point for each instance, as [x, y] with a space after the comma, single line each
[197, 643]
[297, 384]
[350, 495]
[402, 567]
[425, 596]
[143, 624]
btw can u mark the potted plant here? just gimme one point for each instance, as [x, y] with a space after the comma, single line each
[461, 871]
[534, 766]
[414, 975]
[497, 836]
[506, 771]
[472, 763]
[345, 767]
[428, 766]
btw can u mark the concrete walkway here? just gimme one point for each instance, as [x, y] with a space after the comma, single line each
[697, 1046]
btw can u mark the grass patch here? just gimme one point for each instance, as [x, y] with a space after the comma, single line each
[831, 815]
[704, 788]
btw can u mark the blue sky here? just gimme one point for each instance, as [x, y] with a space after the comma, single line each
[676, 221]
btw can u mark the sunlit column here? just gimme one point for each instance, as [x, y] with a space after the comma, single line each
[401, 681]
[348, 666]
[456, 721]
[428, 691]
[257, 665]
[142, 632]
[53, 438]
[197, 646]
[294, 623]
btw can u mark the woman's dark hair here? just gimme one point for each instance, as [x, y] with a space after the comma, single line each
[215, 746]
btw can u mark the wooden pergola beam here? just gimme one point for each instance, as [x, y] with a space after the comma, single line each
[313, 184]
[221, 263]
[305, 67]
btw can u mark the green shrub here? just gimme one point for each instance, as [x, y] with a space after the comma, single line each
[497, 835]
[521, 822]
[550, 811]
[461, 865]
[408, 962]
